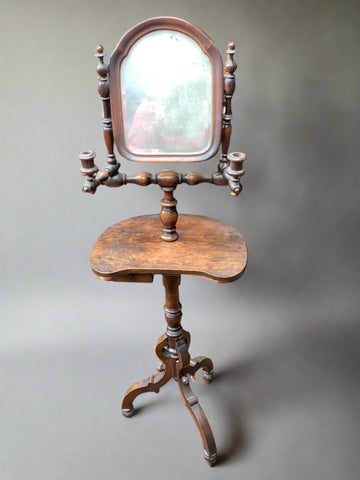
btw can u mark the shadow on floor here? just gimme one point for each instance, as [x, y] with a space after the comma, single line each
[320, 360]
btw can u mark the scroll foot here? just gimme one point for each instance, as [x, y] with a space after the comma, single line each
[153, 383]
[208, 376]
[128, 412]
[210, 459]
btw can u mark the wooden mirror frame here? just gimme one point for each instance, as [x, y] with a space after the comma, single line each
[120, 53]
[229, 166]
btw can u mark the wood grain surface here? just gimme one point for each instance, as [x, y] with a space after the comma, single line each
[132, 250]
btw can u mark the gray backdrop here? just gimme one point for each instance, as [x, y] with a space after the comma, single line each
[284, 338]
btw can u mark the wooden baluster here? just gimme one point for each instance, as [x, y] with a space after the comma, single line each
[169, 215]
[112, 166]
[168, 180]
[229, 88]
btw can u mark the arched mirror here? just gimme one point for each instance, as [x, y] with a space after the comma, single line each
[166, 88]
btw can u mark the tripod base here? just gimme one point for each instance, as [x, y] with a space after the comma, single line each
[177, 364]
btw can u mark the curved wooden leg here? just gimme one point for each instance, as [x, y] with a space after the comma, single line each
[153, 383]
[201, 362]
[192, 402]
[175, 362]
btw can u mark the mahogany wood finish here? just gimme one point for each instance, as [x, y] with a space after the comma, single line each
[172, 349]
[88, 170]
[119, 54]
[104, 91]
[234, 171]
[230, 169]
[95, 177]
[206, 247]
[167, 180]
[169, 215]
[229, 88]
[169, 244]
[131, 250]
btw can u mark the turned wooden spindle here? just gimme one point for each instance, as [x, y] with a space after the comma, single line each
[168, 179]
[229, 88]
[172, 307]
[169, 215]
[104, 91]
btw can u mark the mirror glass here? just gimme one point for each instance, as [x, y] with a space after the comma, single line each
[166, 95]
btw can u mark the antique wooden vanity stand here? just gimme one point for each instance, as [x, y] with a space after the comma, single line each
[143, 115]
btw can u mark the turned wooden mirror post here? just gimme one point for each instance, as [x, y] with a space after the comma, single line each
[166, 97]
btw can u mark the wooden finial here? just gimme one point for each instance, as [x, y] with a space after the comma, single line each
[229, 69]
[101, 69]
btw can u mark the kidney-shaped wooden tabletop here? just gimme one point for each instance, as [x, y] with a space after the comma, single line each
[132, 250]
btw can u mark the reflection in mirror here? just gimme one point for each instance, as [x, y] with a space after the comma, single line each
[166, 91]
